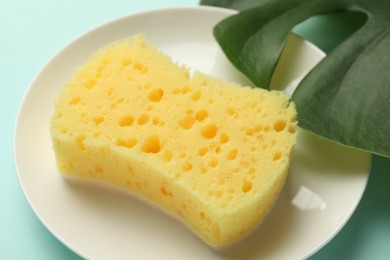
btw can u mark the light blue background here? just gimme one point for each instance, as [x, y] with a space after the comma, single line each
[33, 31]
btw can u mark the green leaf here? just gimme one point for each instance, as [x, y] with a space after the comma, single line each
[345, 98]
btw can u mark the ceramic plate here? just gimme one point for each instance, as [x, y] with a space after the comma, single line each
[325, 184]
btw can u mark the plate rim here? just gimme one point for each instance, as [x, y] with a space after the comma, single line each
[67, 45]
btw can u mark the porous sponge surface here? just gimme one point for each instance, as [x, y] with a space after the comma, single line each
[212, 153]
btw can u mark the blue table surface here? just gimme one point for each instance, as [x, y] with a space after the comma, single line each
[33, 31]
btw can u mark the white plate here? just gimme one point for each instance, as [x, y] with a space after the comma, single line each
[325, 184]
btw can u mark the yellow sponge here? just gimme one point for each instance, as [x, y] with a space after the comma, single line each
[212, 153]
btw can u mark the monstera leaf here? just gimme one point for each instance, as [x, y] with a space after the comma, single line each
[346, 97]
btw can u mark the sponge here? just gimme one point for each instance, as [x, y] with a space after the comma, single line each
[213, 154]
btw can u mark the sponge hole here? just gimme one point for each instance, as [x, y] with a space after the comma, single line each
[291, 128]
[156, 121]
[140, 68]
[232, 154]
[80, 142]
[126, 120]
[90, 83]
[184, 90]
[209, 131]
[231, 111]
[126, 62]
[186, 122]
[128, 143]
[98, 169]
[98, 120]
[75, 100]
[224, 138]
[253, 130]
[279, 125]
[187, 166]
[246, 186]
[120, 100]
[202, 151]
[165, 192]
[155, 95]
[213, 162]
[151, 144]
[196, 95]
[244, 164]
[99, 72]
[176, 91]
[166, 156]
[201, 115]
[143, 119]
[249, 132]
[276, 156]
